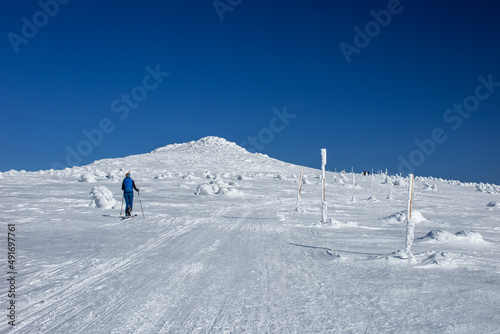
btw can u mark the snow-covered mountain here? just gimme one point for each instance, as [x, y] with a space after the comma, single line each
[225, 246]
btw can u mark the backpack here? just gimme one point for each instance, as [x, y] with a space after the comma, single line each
[128, 182]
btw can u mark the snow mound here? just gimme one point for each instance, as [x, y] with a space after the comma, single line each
[488, 188]
[400, 217]
[217, 187]
[444, 236]
[1, 176]
[102, 198]
[87, 178]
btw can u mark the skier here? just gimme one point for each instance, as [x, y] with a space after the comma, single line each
[128, 186]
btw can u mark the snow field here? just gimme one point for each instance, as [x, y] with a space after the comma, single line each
[212, 263]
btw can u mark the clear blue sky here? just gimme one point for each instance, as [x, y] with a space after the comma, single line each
[74, 66]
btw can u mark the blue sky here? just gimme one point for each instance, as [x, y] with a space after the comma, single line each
[90, 77]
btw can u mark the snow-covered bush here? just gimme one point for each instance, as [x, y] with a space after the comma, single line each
[102, 198]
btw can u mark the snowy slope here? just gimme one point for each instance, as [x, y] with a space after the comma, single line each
[222, 249]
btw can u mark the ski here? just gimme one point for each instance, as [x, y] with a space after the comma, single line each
[126, 217]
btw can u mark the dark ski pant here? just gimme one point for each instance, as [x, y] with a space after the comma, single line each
[129, 200]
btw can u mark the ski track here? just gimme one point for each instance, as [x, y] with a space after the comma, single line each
[61, 300]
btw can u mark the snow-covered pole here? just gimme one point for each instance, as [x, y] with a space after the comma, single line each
[410, 225]
[301, 177]
[323, 177]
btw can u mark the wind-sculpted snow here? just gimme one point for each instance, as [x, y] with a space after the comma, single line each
[222, 249]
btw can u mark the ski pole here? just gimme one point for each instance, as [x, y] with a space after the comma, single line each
[121, 207]
[140, 201]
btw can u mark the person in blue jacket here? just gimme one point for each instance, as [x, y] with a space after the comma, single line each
[128, 186]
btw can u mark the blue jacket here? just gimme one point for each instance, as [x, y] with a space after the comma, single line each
[128, 185]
